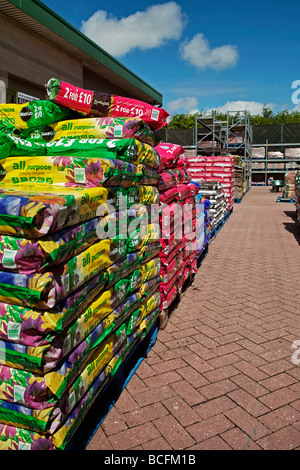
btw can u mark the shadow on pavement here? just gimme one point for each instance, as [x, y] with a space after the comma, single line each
[293, 227]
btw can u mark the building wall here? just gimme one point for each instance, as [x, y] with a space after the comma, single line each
[28, 61]
[93, 81]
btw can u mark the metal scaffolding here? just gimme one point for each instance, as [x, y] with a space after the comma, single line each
[232, 136]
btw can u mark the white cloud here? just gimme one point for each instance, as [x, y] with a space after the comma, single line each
[187, 105]
[143, 30]
[197, 51]
[253, 107]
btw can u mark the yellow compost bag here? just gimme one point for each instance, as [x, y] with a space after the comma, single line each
[68, 171]
[100, 355]
[29, 211]
[45, 290]
[91, 128]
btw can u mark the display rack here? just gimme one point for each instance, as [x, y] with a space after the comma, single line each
[276, 173]
[230, 136]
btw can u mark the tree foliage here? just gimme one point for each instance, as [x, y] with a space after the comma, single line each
[267, 117]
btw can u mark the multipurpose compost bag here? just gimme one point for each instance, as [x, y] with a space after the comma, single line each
[14, 438]
[44, 290]
[29, 256]
[97, 103]
[33, 114]
[128, 150]
[54, 384]
[30, 326]
[28, 212]
[92, 128]
[69, 171]
[42, 409]
[31, 213]
[34, 327]
[102, 315]
[62, 419]
[97, 321]
[63, 435]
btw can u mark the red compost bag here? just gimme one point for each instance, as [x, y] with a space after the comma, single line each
[168, 299]
[183, 191]
[168, 195]
[167, 180]
[169, 154]
[97, 103]
[169, 271]
[168, 244]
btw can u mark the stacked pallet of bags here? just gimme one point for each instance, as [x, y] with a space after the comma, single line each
[239, 183]
[79, 264]
[197, 168]
[201, 223]
[221, 169]
[288, 191]
[215, 169]
[205, 222]
[213, 192]
[180, 222]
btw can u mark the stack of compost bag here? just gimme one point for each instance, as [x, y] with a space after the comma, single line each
[180, 221]
[79, 260]
[288, 191]
[220, 169]
[213, 192]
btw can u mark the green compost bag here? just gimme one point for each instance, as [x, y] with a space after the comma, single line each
[129, 150]
[33, 114]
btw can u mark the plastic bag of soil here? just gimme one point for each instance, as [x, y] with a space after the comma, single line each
[93, 128]
[97, 103]
[33, 114]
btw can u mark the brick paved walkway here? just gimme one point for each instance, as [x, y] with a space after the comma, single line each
[221, 375]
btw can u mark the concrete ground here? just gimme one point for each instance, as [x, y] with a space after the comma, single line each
[224, 373]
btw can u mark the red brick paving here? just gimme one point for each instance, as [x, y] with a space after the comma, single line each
[220, 375]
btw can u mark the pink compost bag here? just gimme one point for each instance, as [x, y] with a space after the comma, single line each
[183, 162]
[170, 214]
[169, 154]
[183, 176]
[97, 103]
[183, 191]
[168, 271]
[221, 158]
[183, 275]
[168, 244]
[166, 259]
[194, 267]
[167, 300]
[167, 180]
[168, 195]
[165, 288]
[194, 189]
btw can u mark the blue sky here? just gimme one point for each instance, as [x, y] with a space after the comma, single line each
[200, 55]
